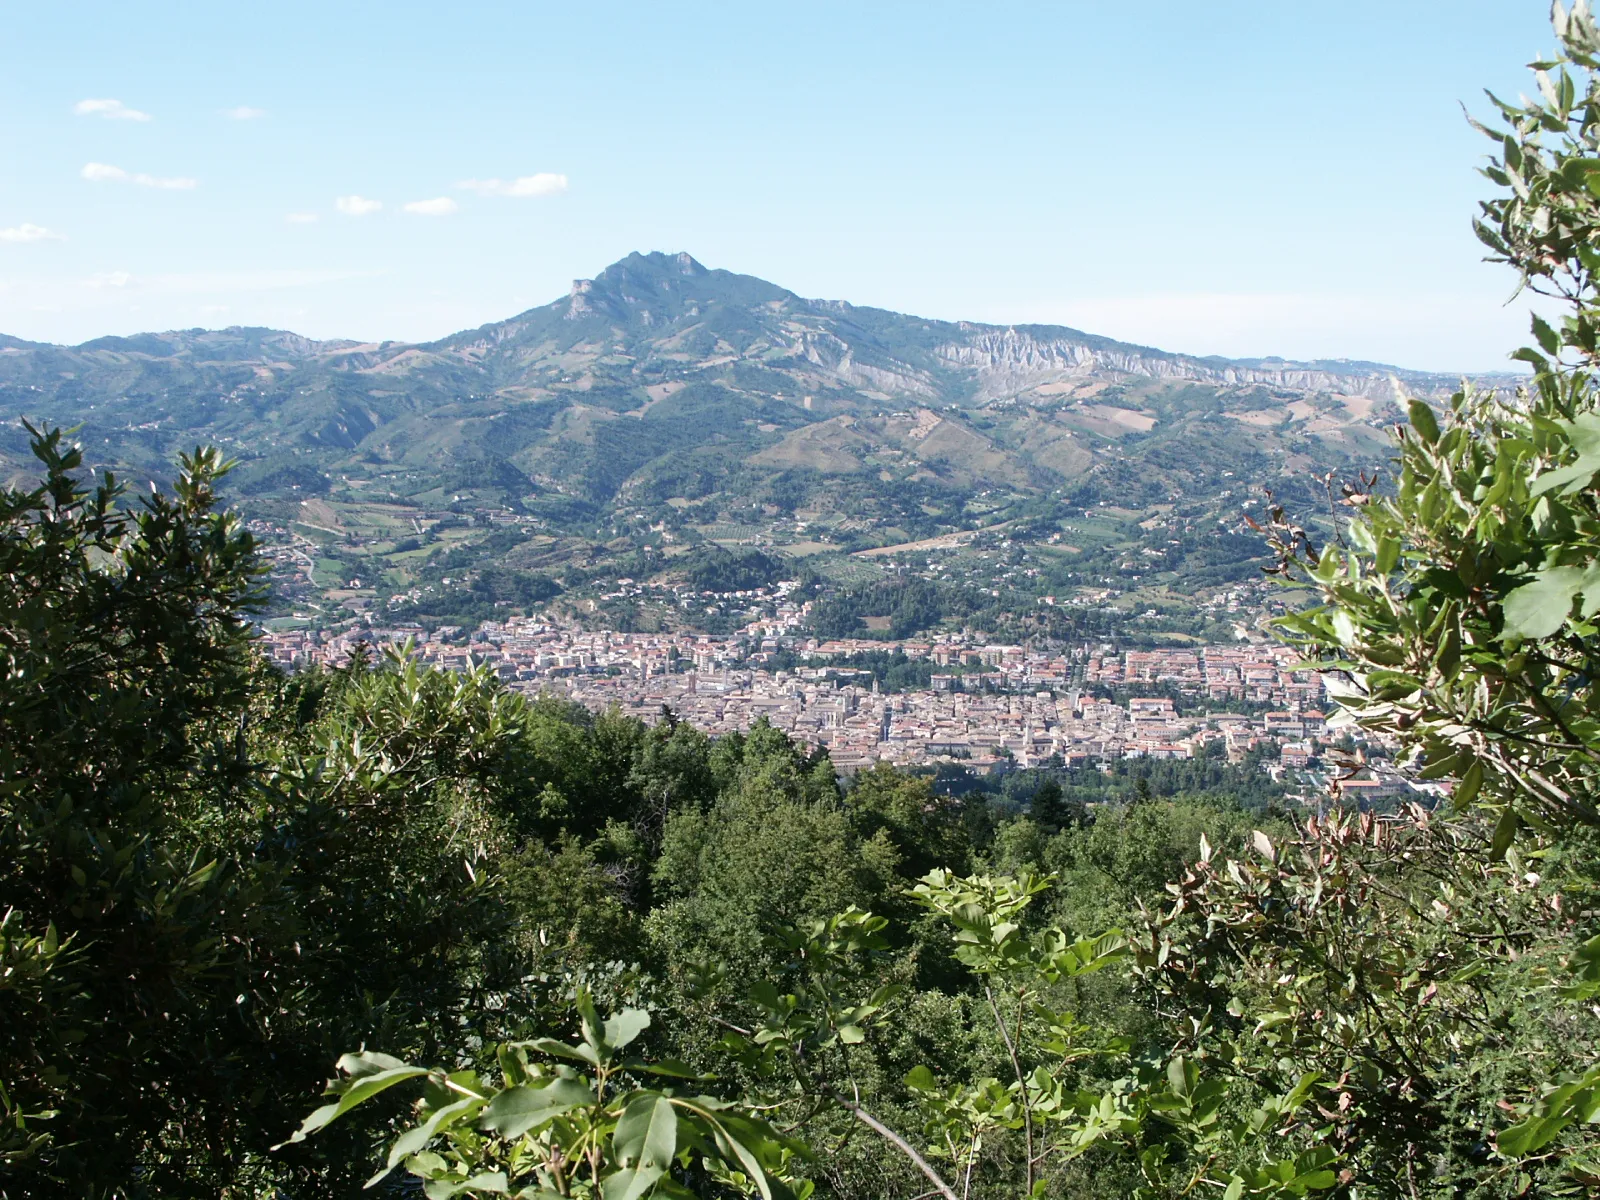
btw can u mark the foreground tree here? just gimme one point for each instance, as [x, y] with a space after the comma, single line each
[124, 671]
[214, 878]
[217, 879]
[1457, 607]
[1398, 1007]
[616, 1124]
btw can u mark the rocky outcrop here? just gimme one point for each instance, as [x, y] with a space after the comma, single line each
[669, 310]
[838, 358]
[578, 305]
[1009, 361]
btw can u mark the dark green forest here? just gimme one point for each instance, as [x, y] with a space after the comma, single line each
[222, 877]
[265, 935]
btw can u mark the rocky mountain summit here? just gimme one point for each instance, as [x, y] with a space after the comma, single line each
[683, 310]
[662, 379]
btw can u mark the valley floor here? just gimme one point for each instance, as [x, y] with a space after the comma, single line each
[987, 707]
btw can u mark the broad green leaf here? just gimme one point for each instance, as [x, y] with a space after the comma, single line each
[413, 1140]
[589, 1022]
[1505, 832]
[1584, 434]
[723, 1131]
[1388, 555]
[1538, 609]
[1527, 1136]
[647, 1132]
[369, 1062]
[766, 995]
[1585, 1106]
[1585, 967]
[374, 1078]
[1542, 332]
[623, 1027]
[584, 1053]
[671, 1068]
[630, 1183]
[1471, 782]
[1178, 1076]
[1344, 627]
[920, 1079]
[517, 1110]
[1423, 421]
[1263, 845]
[1296, 1096]
[1579, 472]
[1583, 431]
[485, 1181]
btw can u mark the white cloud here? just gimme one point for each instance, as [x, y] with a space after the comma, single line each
[441, 206]
[542, 184]
[110, 279]
[357, 206]
[300, 218]
[244, 113]
[110, 110]
[30, 233]
[104, 173]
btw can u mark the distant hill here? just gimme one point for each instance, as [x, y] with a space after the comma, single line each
[662, 395]
[662, 345]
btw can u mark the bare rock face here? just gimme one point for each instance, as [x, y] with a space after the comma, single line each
[660, 364]
[671, 311]
[578, 306]
[1010, 361]
[837, 357]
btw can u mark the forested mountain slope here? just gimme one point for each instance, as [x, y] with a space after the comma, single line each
[660, 377]
[663, 405]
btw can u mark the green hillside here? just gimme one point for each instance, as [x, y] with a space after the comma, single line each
[662, 405]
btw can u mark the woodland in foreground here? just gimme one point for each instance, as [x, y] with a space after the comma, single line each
[556, 954]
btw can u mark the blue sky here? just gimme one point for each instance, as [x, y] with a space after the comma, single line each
[1227, 177]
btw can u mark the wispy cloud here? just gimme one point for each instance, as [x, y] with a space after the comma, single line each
[542, 184]
[440, 206]
[110, 110]
[109, 279]
[244, 113]
[300, 218]
[357, 206]
[30, 233]
[104, 173]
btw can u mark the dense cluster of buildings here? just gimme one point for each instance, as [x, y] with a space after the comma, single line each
[1240, 672]
[986, 704]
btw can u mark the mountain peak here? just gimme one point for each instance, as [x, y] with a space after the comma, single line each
[655, 266]
[658, 287]
[236, 343]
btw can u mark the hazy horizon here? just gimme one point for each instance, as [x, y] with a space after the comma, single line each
[1244, 181]
[1510, 368]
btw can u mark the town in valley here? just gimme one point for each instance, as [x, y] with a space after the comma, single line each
[987, 708]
